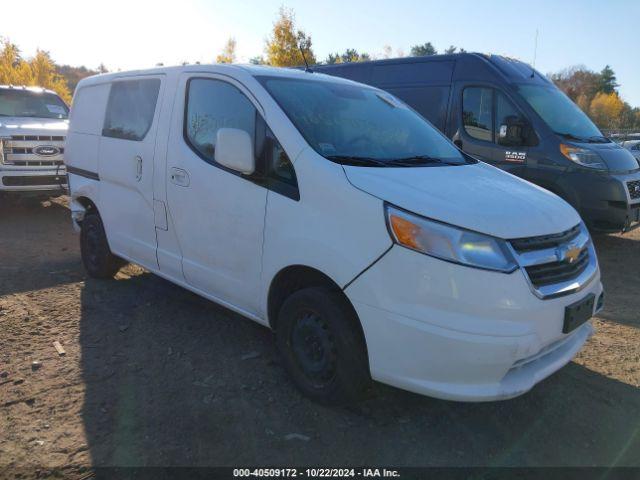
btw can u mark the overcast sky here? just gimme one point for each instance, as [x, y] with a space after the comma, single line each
[135, 34]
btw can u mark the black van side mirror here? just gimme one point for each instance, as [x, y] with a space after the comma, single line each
[514, 132]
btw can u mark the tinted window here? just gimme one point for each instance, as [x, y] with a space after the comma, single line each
[344, 122]
[212, 105]
[477, 107]
[430, 102]
[506, 114]
[130, 108]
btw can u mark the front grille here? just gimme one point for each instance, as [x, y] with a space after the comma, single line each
[634, 189]
[39, 180]
[37, 163]
[38, 138]
[20, 150]
[557, 272]
[556, 264]
[521, 245]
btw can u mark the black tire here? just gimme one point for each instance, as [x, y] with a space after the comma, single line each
[322, 346]
[97, 258]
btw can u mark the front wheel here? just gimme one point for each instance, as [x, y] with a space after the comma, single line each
[97, 258]
[318, 336]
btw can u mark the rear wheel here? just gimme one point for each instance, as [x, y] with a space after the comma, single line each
[97, 258]
[318, 336]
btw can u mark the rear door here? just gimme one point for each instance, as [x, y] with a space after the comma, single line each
[125, 166]
[483, 112]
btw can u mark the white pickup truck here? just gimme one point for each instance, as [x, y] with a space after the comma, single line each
[33, 126]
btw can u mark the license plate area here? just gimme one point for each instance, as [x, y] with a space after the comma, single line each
[577, 313]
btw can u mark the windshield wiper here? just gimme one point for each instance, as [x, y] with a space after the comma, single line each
[358, 161]
[418, 160]
[598, 139]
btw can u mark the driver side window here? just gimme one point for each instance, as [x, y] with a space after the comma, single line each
[488, 115]
[508, 116]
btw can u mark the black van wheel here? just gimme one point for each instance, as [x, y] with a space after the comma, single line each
[322, 347]
[97, 258]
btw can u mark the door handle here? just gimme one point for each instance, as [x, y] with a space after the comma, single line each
[179, 177]
[138, 168]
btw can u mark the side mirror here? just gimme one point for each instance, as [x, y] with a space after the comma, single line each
[513, 132]
[234, 150]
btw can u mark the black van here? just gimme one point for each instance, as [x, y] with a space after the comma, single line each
[504, 112]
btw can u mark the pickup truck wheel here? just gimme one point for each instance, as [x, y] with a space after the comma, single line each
[321, 344]
[97, 258]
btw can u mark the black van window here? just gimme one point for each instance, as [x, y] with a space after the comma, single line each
[506, 114]
[130, 109]
[477, 108]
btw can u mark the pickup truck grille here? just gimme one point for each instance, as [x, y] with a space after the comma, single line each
[556, 264]
[22, 151]
[634, 189]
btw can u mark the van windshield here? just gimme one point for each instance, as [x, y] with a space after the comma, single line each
[28, 103]
[358, 125]
[558, 111]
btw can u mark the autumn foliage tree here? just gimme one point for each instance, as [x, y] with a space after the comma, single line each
[596, 94]
[606, 110]
[38, 71]
[284, 46]
[228, 54]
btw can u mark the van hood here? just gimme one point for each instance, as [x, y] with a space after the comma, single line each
[32, 126]
[477, 197]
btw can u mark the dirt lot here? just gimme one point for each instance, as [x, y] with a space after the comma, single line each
[154, 375]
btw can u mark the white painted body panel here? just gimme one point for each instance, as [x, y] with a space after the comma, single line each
[431, 326]
[477, 197]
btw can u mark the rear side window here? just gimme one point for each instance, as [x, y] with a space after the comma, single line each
[130, 109]
[477, 108]
[212, 105]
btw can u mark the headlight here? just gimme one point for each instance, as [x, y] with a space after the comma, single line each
[583, 156]
[449, 243]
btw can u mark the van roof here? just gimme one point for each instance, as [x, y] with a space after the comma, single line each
[253, 70]
[510, 69]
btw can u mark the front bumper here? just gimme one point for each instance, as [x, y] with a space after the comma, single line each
[458, 333]
[13, 179]
[604, 200]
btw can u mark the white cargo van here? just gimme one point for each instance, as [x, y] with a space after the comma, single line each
[334, 214]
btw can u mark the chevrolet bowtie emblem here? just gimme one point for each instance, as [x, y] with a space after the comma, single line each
[570, 253]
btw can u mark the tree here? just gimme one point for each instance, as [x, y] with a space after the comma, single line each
[285, 43]
[577, 81]
[45, 75]
[40, 71]
[349, 55]
[423, 50]
[451, 50]
[13, 69]
[387, 51]
[228, 54]
[606, 110]
[607, 82]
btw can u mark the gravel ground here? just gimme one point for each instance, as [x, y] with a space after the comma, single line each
[154, 375]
